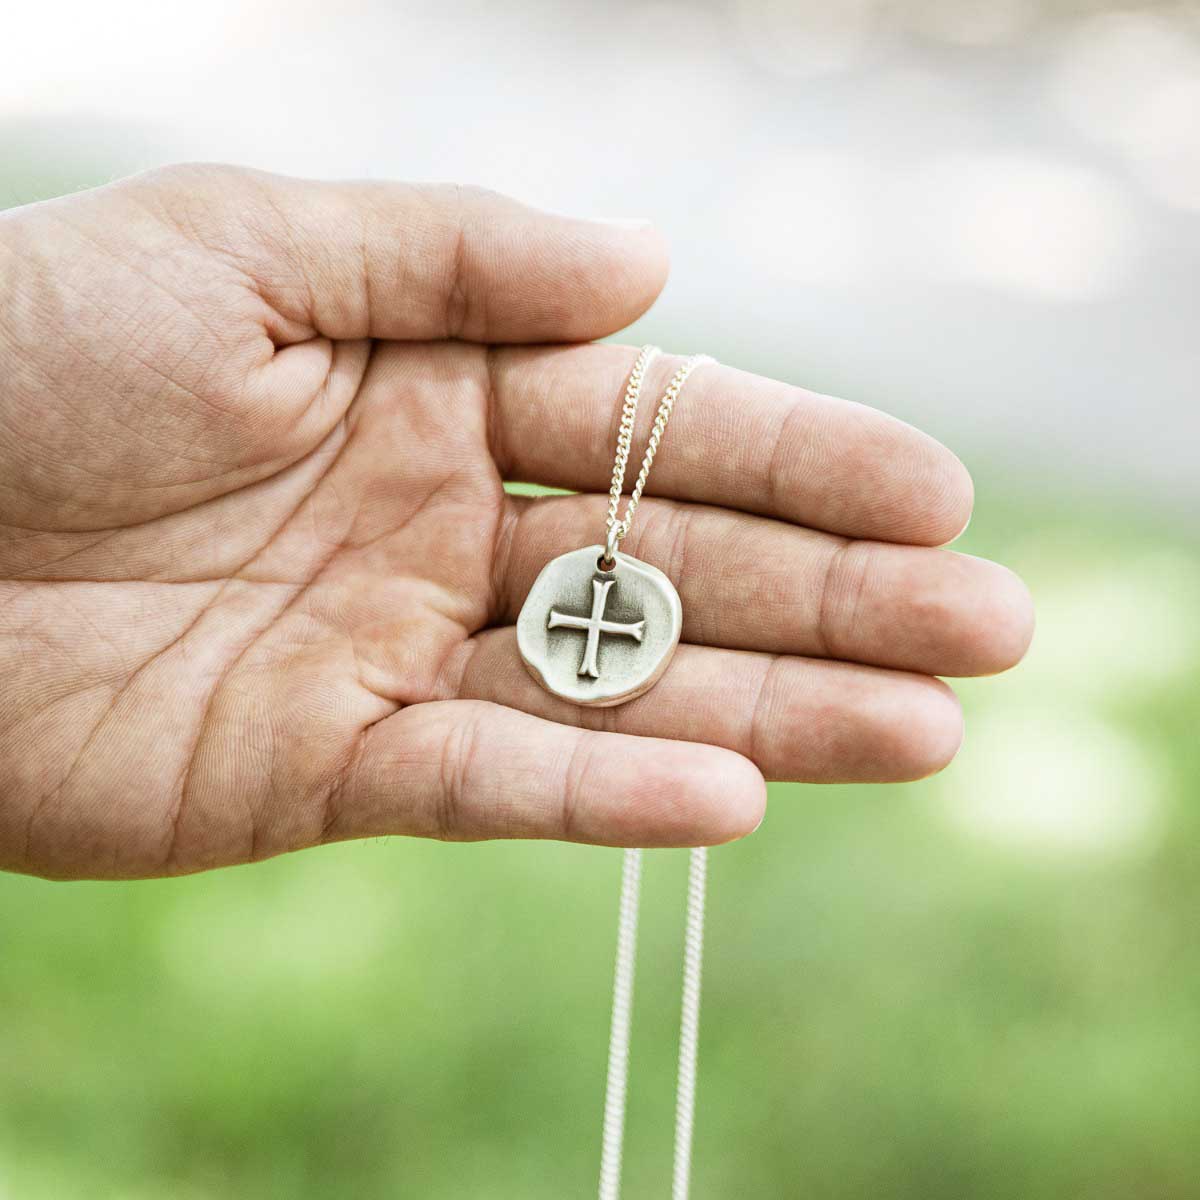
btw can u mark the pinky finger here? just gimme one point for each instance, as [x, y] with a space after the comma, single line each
[465, 770]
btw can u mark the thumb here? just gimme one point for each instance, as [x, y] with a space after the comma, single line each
[418, 261]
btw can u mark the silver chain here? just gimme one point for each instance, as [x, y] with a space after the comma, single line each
[619, 527]
[613, 1133]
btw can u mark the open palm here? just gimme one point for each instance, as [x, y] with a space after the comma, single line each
[260, 571]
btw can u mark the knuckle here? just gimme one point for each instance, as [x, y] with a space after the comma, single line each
[578, 765]
[468, 195]
[457, 768]
[189, 177]
[840, 597]
[665, 534]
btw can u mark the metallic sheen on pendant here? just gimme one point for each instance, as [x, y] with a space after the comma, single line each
[599, 627]
[599, 637]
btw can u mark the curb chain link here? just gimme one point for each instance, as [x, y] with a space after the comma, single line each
[619, 528]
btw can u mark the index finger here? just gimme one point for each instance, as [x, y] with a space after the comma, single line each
[735, 439]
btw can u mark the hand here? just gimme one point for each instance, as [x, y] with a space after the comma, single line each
[260, 573]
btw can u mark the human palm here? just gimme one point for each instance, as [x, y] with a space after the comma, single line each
[260, 571]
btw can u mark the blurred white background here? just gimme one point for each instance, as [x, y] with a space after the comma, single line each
[983, 215]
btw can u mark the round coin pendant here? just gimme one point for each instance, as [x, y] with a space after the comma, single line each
[599, 637]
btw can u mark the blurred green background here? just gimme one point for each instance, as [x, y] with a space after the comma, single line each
[983, 986]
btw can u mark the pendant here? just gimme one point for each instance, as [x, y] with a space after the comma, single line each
[598, 637]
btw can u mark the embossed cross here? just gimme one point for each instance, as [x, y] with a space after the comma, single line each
[595, 625]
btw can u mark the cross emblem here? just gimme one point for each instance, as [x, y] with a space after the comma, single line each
[595, 625]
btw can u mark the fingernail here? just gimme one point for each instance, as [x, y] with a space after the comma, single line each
[624, 222]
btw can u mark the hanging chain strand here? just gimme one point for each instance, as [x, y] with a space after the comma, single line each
[616, 1088]
[619, 527]
[633, 392]
[689, 1023]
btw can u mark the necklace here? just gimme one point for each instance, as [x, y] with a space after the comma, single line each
[635, 608]
[628, 611]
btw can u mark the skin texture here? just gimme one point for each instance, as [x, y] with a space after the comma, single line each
[258, 572]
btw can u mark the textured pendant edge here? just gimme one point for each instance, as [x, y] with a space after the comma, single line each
[676, 607]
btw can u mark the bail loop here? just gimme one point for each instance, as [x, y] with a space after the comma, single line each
[611, 541]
